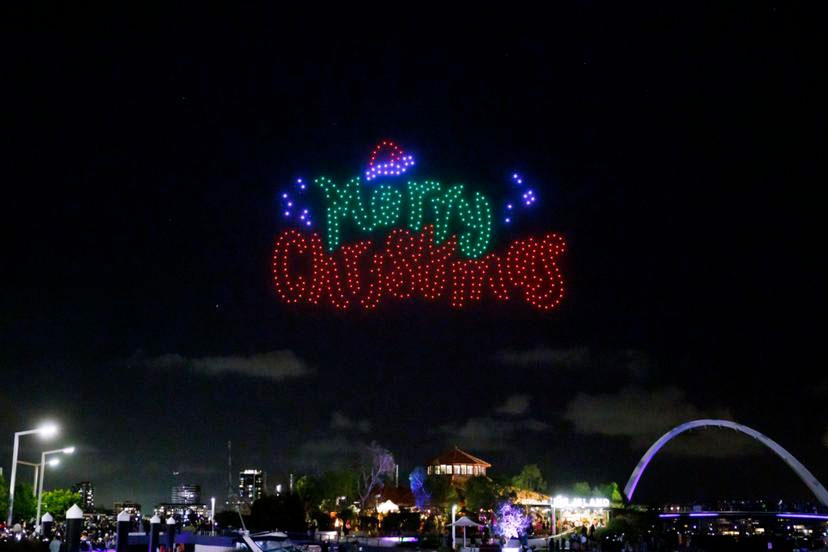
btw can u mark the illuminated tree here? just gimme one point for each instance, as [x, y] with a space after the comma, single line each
[377, 464]
[417, 480]
[57, 501]
[511, 521]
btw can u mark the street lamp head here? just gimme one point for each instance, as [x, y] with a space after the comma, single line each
[68, 450]
[48, 430]
[54, 462]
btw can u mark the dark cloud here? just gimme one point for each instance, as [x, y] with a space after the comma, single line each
[273, 365]
[341, 421]
[542, 355]
[631, 362]
[515, 405]
[643, 416]
[325, 452]
[490, 434]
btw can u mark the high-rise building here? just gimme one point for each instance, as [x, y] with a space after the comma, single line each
[185, 493]
[251, 485]
[86, 490]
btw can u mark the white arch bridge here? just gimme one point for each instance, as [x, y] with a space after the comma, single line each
[800, 470]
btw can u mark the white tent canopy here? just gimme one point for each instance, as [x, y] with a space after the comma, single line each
[465, 522]
[387, 507]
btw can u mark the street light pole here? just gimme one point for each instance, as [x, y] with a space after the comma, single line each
[213, 515]
[13, 475]
[45, 431]
[67, 450]
[453, 527]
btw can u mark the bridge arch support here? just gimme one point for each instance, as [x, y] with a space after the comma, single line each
[806, 476]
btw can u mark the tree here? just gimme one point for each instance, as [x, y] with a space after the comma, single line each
[377, 464]
[529, 479]
[416, 481]
[4, 496]
[25, 503]
[338, 483]
[582, 489]
[284, 511]
[228, 518]
[482, 493]
[610, 491]
[57, 501]
[310, 491]
[511, 521]
[442, 492]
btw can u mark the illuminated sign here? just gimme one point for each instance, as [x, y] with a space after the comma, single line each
[437, 244]
[567, 502]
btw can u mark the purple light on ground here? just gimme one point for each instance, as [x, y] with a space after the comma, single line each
[803, 516]
[668, 515]
[704, 514]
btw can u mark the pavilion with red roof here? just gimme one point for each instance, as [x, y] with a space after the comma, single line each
[458, 464]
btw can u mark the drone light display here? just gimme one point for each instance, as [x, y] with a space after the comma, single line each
[437, 244]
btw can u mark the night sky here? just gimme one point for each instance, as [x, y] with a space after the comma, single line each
[679, 152]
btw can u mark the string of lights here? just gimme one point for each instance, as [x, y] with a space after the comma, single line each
[345, 203]
[395, 164]
[415, 265]
[527, 199]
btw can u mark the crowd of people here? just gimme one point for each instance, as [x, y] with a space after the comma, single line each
[97, 534]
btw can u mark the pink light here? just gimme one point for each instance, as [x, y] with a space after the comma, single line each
[803, 516]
